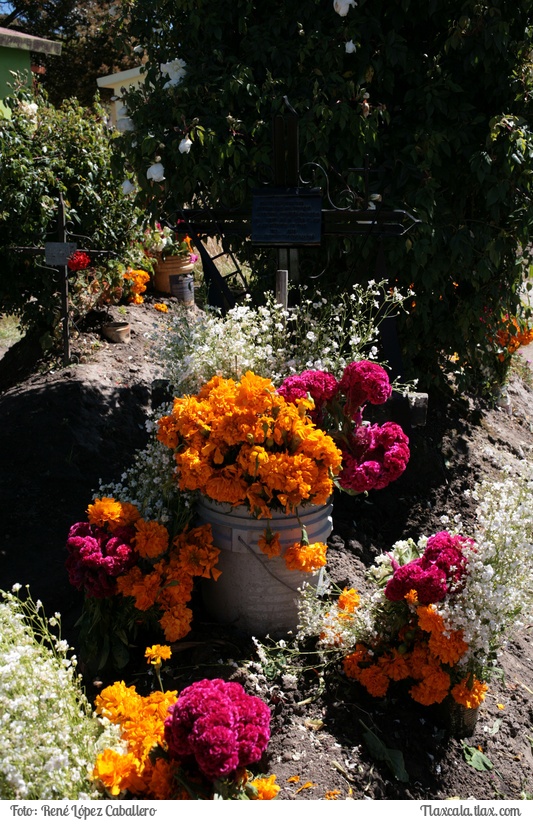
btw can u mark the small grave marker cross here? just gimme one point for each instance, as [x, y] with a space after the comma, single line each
[57, 254]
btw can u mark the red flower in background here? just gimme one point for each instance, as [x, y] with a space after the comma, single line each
[78, 260]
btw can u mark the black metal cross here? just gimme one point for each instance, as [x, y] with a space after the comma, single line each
[57, 254]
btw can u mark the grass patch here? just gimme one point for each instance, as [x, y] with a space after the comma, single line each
[10, 331]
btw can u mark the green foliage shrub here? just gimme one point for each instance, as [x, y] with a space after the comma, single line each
[437, 94]
[45, 151]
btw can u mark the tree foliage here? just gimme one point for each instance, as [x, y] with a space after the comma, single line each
[92, 45]
[436, 93]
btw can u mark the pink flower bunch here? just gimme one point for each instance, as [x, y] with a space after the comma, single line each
[376, 456]
[372, 456]
[442, 568]
[321, 386]
[364, 382]
[219, 725]
[96, 558]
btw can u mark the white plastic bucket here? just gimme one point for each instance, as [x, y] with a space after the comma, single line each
[257, 594]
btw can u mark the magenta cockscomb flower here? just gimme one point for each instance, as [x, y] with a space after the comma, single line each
[321, 386]
[441, 568]
[364, 382]
[428, 581]
[96, 558]
[219, 725]
[377, 455]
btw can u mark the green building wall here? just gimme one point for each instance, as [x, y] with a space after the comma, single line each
[11, 60]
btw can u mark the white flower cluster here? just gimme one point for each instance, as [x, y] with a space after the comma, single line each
[150, 485]
[499, 583]
[50, 737]
[274, 342]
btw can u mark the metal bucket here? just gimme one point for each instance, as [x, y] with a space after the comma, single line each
[256, 594]
[182, 288]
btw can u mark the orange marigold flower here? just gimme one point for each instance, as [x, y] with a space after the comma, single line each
[167, 431]
[126, 582]
[162, 785]
[417, 659]
[161, 307]
[448, 647]
[470, 692]
[197, 555]
[429, 619]
[154, 655]
[117, 702]
[227, 485]
[348, 600]
[306, 557]
[116, 513]
[353, 661]
[255, 497]
[115, 770]
[105, 511]
[396, 666]
[176, 622]
[269, 543]
[266, 788]
[151, 539]
[145, 591]
[130, 514]
[374, 679]
[433, 688]
[176, 590]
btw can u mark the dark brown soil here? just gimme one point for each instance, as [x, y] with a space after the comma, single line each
[65, 428]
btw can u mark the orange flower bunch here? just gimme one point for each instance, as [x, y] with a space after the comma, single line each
[513, 335]
[119, 553]
[244, 444]
[167, 583]
[136, 280]
[141, 720]
[425, 651]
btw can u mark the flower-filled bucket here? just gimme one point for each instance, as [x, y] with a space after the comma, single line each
[255, 593]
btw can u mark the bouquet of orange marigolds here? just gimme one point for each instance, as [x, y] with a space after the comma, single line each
[133, 575]
[135, 284]
[244, 444]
